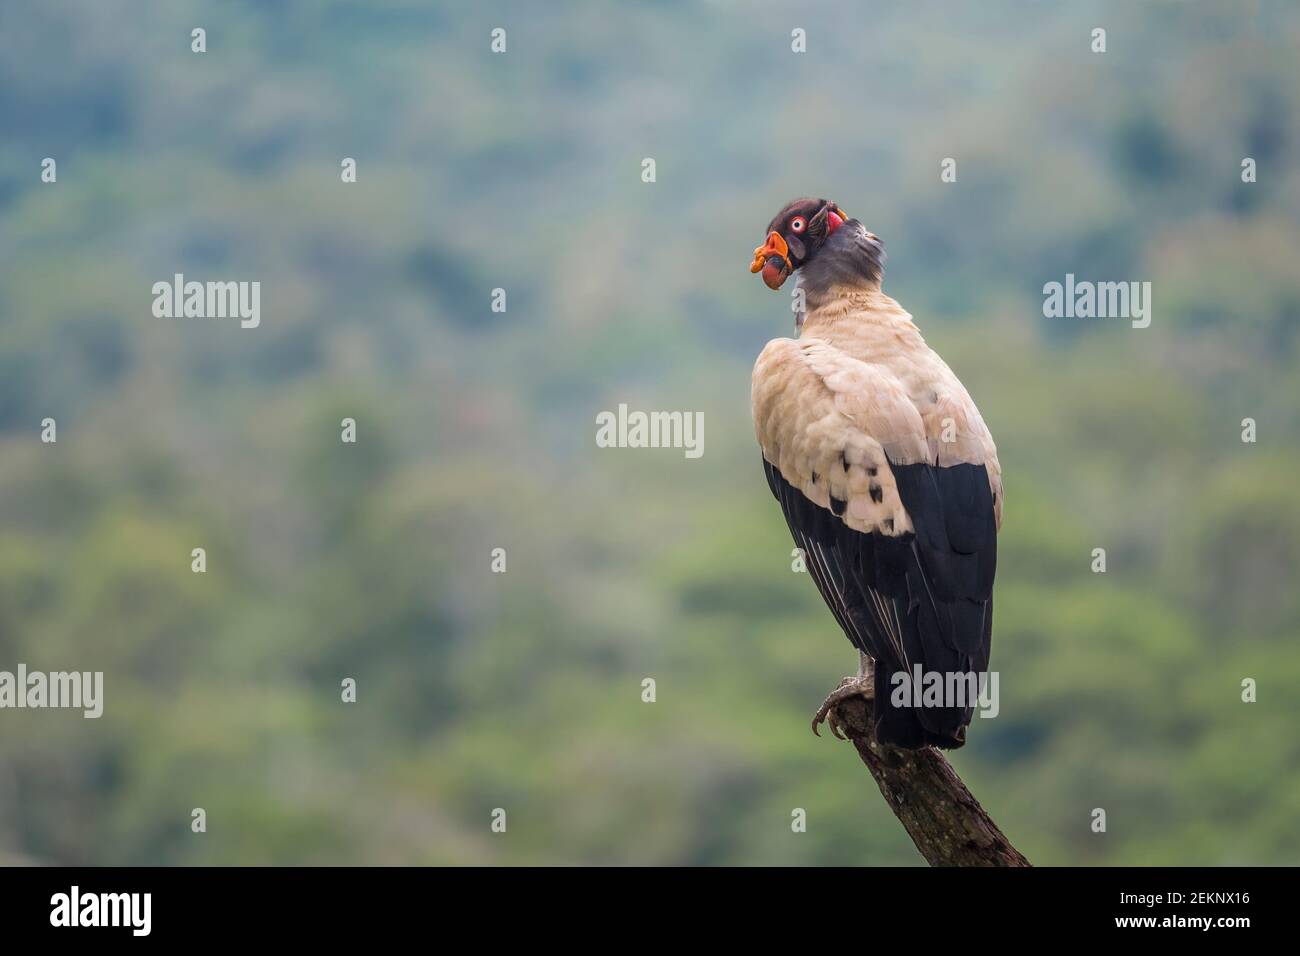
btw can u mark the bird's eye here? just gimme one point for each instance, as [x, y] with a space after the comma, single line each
[797, 224]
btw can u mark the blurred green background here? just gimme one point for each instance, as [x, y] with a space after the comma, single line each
[476, 429]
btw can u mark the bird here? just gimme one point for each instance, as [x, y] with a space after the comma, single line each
[887, 476]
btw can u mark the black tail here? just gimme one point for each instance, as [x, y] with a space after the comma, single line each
[912, 727]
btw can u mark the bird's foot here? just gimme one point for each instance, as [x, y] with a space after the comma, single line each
[861, 686]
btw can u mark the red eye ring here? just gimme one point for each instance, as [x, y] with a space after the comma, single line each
[797, 224]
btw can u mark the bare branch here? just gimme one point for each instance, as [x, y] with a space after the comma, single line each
[945, 822]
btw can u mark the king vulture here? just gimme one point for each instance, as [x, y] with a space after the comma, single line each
[886, 474]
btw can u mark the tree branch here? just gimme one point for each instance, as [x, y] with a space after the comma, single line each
[945, 822]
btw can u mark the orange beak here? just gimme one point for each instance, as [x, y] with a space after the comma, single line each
[773, 258]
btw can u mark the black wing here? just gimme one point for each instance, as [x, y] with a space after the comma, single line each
[923, 598]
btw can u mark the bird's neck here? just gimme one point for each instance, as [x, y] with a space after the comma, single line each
[860, 321]
[851, 259]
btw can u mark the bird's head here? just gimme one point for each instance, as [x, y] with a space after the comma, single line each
[794, 237]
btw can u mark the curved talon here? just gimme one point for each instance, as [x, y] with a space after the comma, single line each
[837, 725]
[826, 713]
[834, 724]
